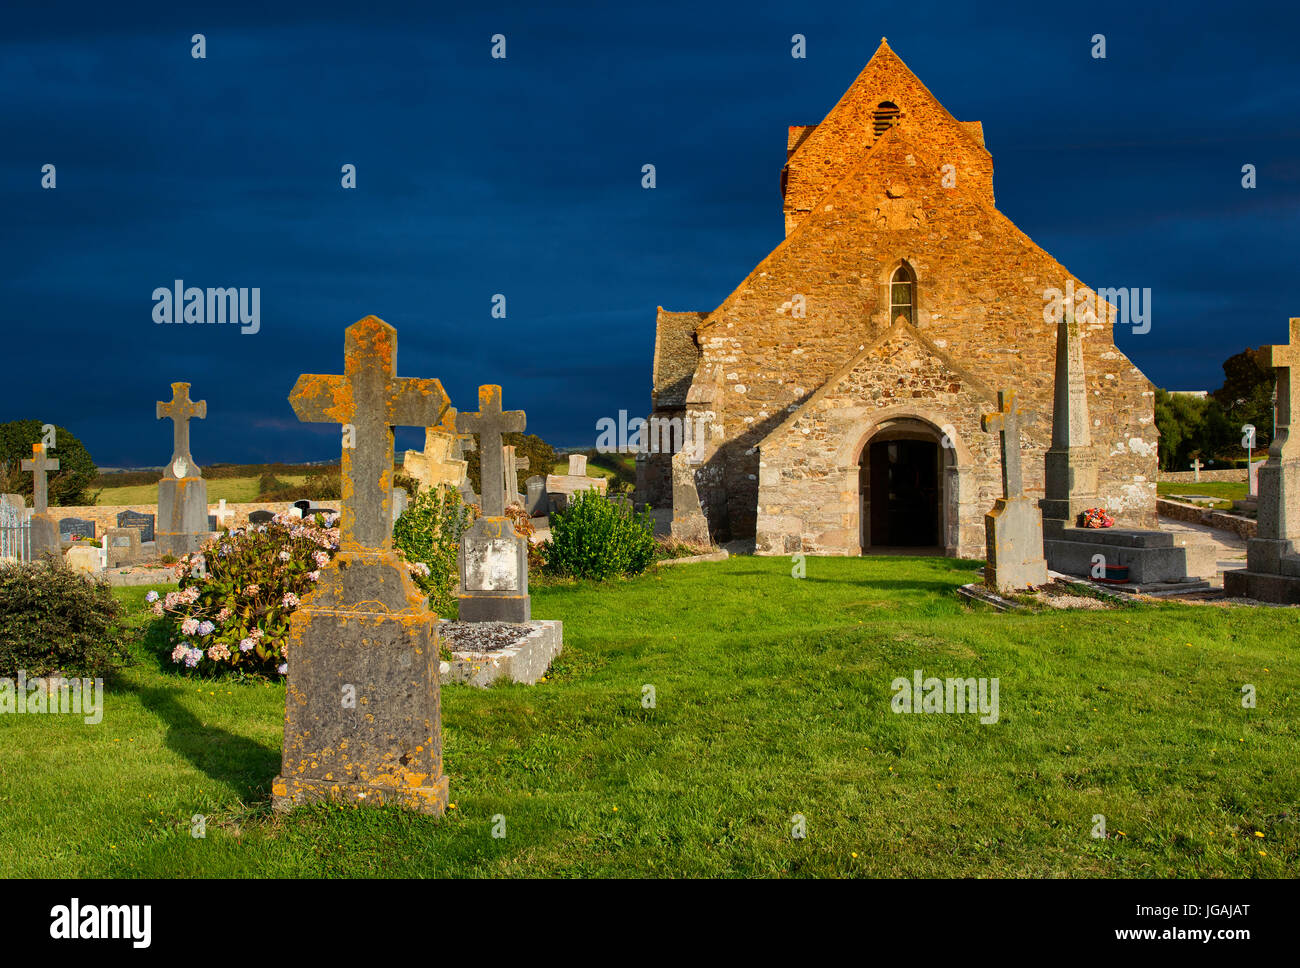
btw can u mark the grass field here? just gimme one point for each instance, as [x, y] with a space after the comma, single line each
[235, 490]
[1225, 491]
[772, 699]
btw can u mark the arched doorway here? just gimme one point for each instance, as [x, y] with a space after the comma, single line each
[901, 486]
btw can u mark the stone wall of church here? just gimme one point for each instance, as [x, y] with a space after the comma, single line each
[979, 296]
[808, 494]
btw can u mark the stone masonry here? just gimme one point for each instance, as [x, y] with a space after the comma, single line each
[811, 358]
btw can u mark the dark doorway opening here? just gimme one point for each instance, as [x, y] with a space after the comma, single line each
[904, 493]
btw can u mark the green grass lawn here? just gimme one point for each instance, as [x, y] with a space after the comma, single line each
[1225, 491]
[235, 490]
[772, 699]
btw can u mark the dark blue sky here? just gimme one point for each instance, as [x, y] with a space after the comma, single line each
[522, 176]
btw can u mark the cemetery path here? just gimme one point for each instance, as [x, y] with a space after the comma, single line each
[1230, 548]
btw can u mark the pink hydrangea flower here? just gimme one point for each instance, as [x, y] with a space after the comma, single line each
[290, 600]
[219, 652]
[246, 645]
[180, 652]
[190, 626]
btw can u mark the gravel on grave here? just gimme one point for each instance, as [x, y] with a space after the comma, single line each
[481, 636]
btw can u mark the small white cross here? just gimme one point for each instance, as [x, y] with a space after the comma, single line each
[1196, 468]
[223, 512]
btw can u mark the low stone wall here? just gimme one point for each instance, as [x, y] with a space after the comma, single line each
[1238, 525]
[105, 515]
[1189, 477]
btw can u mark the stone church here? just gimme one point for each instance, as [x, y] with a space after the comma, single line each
[832, 403]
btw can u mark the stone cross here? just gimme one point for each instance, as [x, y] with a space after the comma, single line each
[368, 400]
[38, 465]
[223, 512]
[489, 424]
[1285, 359]
[1006, 422]
[1196, 466]
[181, 409]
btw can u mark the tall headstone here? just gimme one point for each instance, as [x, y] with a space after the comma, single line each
[1013, 530]
[44, 534]
[1152, 558]
[577, 465]
[182, 493]
[362, 707]
[1272, 572]
[493, 559]
[1070, 484]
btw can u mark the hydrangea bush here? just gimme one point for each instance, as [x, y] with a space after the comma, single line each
[232, 604]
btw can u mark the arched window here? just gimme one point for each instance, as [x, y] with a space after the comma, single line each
[902, 294]
[884, 117]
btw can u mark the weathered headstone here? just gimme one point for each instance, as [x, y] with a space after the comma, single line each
[123, 546]
[362, 719]
[441, 461]
[44, 534]
[401, 501]
[561, 488]
[182, 492]
[493, 559]
[1152, 558]
[536, 503]
[511, 466]
[73, 528]
[1070, 483]
[1272, 572]
[1013, 530]
[302, 506]
[141, 522]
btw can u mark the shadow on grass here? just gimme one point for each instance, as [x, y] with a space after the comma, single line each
[246, 767]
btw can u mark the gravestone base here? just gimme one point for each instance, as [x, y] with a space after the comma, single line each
[1262, 587]
[494, 573]
[524, 658]
[45, 537]
[1152, 557]
[362, 707]
[182, 525]
[1013, 533]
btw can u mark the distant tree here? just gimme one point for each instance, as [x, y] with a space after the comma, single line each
[1247, 397]
[68, 486]
[1179, 420]
[540, 454]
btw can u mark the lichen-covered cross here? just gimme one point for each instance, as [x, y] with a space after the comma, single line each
[1006, 422]
[181, 409]
[1285, 359]
[489, 424]
[38, 465]
[368, 401]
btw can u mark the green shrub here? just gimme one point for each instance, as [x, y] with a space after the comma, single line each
[53, 619]
[428, 536]
[596, 538]
[231, 608]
